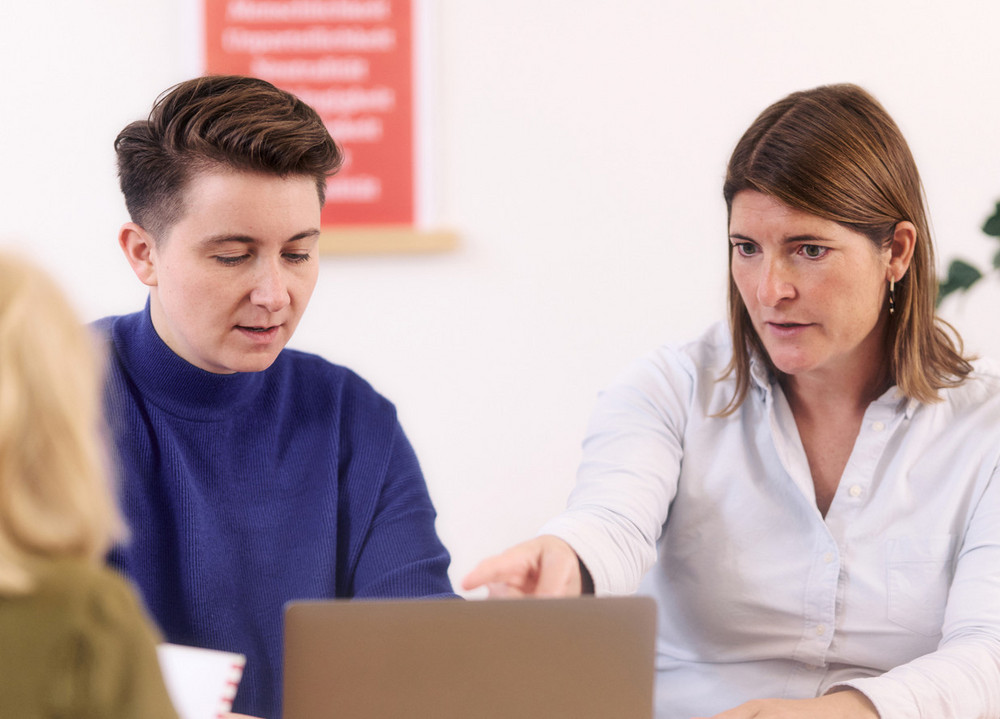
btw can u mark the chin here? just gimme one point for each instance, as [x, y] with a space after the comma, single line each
[790, 365]
[250, 362]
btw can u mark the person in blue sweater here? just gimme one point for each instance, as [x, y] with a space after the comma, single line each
[251, 474]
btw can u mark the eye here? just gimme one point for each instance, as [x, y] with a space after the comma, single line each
[745, 249]
[814, 252]
[297, 257]
[230, 260]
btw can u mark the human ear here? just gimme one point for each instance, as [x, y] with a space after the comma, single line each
[139, 248]
[904, 240]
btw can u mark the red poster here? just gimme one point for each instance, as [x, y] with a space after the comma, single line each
[352, 60]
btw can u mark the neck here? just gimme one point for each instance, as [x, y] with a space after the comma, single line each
[849, 387]
[816, 395]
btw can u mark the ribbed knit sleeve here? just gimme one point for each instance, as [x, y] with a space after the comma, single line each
[400, 554]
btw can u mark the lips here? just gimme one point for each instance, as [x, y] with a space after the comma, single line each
[262, 335]
[785, 323]
[786, 330]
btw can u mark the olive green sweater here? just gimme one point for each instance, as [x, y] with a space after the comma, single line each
[80, 645]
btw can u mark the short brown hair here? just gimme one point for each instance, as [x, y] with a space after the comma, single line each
[229, 121]
[55, 500]
[836, 153]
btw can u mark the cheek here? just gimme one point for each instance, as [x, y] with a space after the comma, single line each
[175, 286]
[744, 282]
[200, 298]
[303, 285]
[865, 287]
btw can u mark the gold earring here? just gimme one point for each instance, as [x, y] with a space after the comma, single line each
[892, 300]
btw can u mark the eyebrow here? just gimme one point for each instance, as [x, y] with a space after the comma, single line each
[809, 239]
[247, 240]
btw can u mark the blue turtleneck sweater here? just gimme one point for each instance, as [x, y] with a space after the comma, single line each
[247, 490]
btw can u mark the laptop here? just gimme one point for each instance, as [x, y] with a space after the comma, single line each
[484, 659]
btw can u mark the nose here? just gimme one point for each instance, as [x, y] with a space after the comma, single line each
[270, 290]
[775, 283]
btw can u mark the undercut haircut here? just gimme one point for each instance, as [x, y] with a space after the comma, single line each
[218, 122]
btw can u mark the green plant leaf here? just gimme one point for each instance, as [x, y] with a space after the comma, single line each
[992, 226]
[961, 276]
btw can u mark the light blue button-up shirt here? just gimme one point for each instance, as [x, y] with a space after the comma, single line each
[896, 592]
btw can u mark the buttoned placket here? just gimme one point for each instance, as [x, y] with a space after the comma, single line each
[824, 586]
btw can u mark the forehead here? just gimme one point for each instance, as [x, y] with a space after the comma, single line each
[255, 205]
[756, 208]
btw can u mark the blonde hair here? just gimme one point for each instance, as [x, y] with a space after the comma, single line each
[836, 153]
[54, 494]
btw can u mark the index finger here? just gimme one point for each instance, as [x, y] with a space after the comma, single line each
[507, 568]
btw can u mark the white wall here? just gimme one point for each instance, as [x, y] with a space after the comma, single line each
[581, 146]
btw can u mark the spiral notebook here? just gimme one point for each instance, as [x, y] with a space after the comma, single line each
[585, 658]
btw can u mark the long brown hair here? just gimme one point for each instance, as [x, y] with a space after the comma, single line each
[836, 153]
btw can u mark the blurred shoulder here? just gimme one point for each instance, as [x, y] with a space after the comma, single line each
[87, 590]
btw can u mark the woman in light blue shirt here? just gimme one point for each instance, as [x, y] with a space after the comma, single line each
[814, 485]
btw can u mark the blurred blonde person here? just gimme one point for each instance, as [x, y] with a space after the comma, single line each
[76, 642]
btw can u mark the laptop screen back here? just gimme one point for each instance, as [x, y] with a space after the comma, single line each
[453, 659]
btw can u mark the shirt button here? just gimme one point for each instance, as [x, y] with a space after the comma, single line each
[855, 490]
[878, 426]
[820, 630]
[828, 557]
